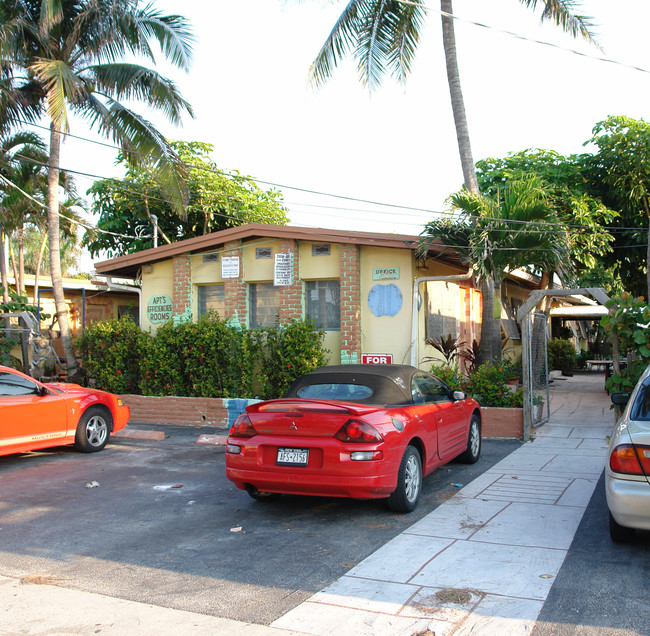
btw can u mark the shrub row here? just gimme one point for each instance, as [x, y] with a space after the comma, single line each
[488, 384]
[210, 358]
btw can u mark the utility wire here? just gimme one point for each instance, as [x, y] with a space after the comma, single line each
[450, 215]
[518, 36]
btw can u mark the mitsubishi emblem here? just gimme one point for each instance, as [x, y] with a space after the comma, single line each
[293, 427]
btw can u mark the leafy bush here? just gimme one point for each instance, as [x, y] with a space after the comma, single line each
[112, 353]
[451, 376]
[17, 303]
[288, 352]
[561, 355]
[489, 385]
[581, 359]
[210, 358]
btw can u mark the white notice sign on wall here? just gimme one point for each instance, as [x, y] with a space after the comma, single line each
[230, 267]
[283, 271]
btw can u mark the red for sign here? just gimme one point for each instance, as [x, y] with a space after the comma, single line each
[377, 358]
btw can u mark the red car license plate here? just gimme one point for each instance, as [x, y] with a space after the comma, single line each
[293, 456]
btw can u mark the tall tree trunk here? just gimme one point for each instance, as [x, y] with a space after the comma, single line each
[12, 258]
[55, 254]
[490, 347]
[457, 101]
[37, 271]
[4, 282]
[21, 261]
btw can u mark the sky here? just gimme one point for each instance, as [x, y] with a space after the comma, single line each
[397, 146]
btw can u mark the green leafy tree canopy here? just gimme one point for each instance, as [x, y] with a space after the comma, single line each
[621, 171]
[583, 213]
[217, 200]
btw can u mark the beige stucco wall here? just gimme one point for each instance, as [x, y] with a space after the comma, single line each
[158, 282]
[319, 267]
[387, 334]
[205, 273]
[258, 269]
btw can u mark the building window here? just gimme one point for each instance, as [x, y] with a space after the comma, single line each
[264, 305]
[211, 298]
[320, 249]
[323, 303]
[263, 252]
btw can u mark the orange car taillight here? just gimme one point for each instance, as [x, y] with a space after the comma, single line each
[242, 427]
[630, 460]
[358, 431]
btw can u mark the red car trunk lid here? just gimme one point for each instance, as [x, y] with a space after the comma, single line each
[303, 418]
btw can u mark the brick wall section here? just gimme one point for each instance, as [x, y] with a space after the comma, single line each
[235, 292]
[221, 413]
[182, 277]
[502, 423]
[350, 304]
[184, 411]
[291, 295]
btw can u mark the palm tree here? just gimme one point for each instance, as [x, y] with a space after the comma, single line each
[496, 235]
[16, 152]
[62, 57]
[383, 36]
[25, 209]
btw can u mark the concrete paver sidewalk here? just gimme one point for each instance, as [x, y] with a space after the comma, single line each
[482, 563]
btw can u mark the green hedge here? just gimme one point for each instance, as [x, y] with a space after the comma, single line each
[210, 358]
[561, 355]
[488, 384]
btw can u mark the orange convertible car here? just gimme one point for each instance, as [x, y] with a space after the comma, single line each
[35, 415]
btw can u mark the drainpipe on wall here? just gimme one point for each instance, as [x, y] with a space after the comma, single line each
[416, 285]
[128, 288]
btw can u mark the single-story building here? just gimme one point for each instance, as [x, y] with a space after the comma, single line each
[375, 300]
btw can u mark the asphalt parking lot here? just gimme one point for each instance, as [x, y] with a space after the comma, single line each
[157, 522]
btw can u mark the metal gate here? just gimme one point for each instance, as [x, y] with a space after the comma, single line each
[538, 393]
[534, 361]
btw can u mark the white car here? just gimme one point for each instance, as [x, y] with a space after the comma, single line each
[627, 478]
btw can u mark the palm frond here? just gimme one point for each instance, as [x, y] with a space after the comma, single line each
[142, 144]
[563, 14]
[134, 82]
[61, 84]
[172, 33]
[338, 44]
[406, 36]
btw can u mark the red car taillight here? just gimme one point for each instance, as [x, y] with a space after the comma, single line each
[358, 431]
[242, 427]
[630, 460]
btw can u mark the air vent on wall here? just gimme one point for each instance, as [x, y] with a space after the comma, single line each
[263, 252]
[320, 249]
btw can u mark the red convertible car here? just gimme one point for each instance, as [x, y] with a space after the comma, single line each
[361, 431]
[35, 415]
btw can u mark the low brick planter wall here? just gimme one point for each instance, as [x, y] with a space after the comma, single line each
[502, 422]
[221, 413]
[185, 411]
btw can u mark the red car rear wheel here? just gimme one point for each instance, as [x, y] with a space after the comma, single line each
[409, 482]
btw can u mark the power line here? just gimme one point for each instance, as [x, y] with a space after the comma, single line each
[518, 36]
[451, 216]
